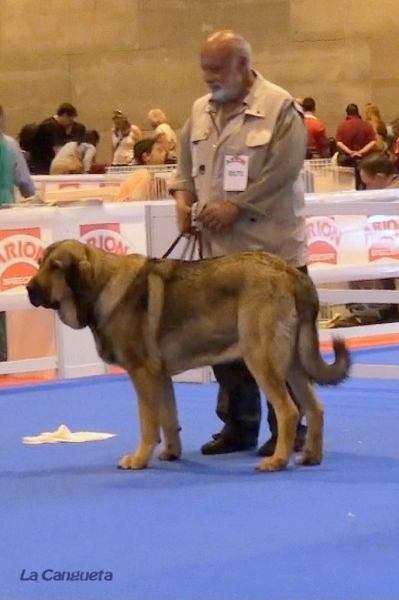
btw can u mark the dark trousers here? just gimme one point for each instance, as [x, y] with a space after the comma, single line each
[3, 337]
[239, 402]
[347, 161]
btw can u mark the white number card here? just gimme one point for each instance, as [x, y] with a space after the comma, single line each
[235, 173]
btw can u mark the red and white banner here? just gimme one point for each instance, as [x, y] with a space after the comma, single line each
[106, 236]
[20, 250]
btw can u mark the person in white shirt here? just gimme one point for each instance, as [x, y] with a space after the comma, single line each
[163, 132]
[76, 157]
[124, 137]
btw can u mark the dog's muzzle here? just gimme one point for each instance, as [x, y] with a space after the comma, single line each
[38, 296]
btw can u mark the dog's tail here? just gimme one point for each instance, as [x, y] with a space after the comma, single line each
[308, 345]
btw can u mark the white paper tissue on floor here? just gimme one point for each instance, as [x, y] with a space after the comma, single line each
[63, 434]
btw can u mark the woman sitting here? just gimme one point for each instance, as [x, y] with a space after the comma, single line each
[76, 157]
[373, 116]
[140, 185]
[164, 133]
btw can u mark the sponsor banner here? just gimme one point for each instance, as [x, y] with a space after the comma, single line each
[382, 237]
[324, 239]
[20, 250]
[106, 236]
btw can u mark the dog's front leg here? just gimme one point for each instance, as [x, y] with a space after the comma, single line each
[169, 420]
[147, 385]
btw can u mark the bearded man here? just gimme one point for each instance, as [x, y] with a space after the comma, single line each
[242, 150]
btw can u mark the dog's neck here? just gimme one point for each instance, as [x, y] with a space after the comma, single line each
[108, 297]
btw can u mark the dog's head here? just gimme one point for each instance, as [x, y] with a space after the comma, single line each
[64, 282]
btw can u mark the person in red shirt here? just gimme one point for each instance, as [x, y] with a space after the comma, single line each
[355, 139]
[318, 145]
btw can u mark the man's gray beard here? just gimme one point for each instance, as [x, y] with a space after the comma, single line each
[223, 96]
[226, 95]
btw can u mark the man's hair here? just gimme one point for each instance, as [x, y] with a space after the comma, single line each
[1, 111]
[67, 109]
[238, 45]
[352, 110]
[27, 137]
[142, 147]
[308, 104]
[377, 163]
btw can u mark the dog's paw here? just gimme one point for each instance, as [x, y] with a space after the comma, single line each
[271, 464]
[132, 461]
[171, 451]
[166, 454]
[309, 458]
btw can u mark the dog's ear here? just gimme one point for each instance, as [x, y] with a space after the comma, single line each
[74, 269]
[70, 262]
[56, 264]
[85, 269]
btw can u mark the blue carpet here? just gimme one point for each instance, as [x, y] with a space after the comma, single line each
[204, 528]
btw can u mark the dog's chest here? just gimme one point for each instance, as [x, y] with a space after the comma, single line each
[105, 348]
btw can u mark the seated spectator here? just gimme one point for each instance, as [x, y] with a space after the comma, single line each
[140, 185]
[149, 151]
[164, 133]
[377, 173]
[76, 157]
[355, 139]
[318, 145]
[124, 137]
[50, 135]
[373, 116]
[13, 168]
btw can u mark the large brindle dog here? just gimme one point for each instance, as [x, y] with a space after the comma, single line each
[156, 318]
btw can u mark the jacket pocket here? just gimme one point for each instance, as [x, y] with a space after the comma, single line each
[257, 142]
[199, 157]
[258, 137]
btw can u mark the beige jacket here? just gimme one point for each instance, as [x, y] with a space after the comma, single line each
[269, 129]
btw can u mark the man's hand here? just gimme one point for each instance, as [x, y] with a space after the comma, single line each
[184, 201]
[217, 216]
[183, 213]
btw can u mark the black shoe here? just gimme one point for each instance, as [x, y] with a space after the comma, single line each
[269, 447]
[222, 445]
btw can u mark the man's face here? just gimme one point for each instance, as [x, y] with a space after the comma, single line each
[379, 181]
[224, 74]
[65, 121]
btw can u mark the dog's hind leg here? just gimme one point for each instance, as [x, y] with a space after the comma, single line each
[149, 386]
[169, 421]
[273, 386]
[312, 453]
